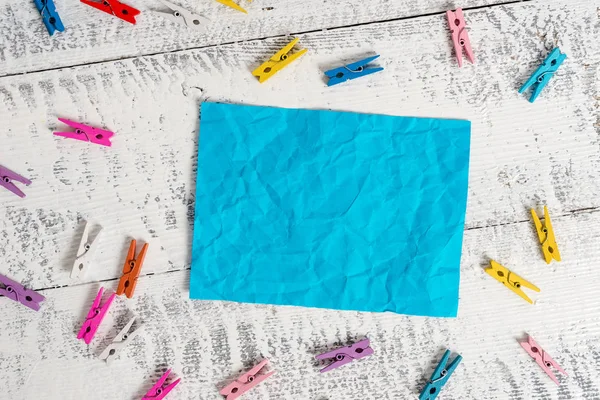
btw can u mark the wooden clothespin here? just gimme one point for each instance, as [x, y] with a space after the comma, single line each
[511, 280]
[280, 60]
[546, 236]
[131, 270]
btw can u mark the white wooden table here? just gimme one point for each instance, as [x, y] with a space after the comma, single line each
[146, 82]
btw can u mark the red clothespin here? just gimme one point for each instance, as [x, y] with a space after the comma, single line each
[246, 382]
[95, 317]
[131, 270]
[460, 37]
[542, 358]
[116, 8]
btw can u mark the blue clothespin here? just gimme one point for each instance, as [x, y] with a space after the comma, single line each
[542, 75]
[351, 71]
[49, 15]
[439, 377]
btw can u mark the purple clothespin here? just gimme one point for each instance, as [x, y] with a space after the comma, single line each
[15, 291]
[345, 355]
[86, 133]
[6, 178]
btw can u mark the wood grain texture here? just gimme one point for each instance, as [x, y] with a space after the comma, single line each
[522, 155]
[208, 343]
[94, 36]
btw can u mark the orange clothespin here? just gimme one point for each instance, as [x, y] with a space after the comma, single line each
[546, 236]
[278, 61]
[131, 270]
[231, 4]
[511, 280]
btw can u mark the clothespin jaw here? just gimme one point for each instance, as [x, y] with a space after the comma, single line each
[460, 36]
[511, 280]
[95, 317]
[544, 73]
[131, 270]
[278, 61]
[246, 382]
[542, 358]
[345, 355]
[546, 236]
[85, 253]
[351, 71]
[50, 16]
[120, 341]
[116, 8]
[182, 16]
[159, 391]
[232, 4]
[17, 292]
[440, 377]
[6, 180]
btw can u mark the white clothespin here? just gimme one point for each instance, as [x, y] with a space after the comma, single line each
[85, 253]
[120, 341]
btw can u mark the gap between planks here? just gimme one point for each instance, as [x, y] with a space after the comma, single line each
[361, 24]
[588, 210]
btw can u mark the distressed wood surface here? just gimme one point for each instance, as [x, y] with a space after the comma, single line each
[94, 36]
[522, 155]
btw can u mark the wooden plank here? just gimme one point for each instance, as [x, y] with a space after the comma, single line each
[207, 343]
[523, 155]
[94, 36]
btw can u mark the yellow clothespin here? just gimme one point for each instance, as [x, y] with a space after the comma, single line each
[511, 280]
[546, 236]
[280, 60]
[230, 3]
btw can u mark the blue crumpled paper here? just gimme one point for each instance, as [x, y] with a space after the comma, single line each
[330, 209]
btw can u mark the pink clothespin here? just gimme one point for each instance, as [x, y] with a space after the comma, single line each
[159, 391]
[542, 358]
[246, 382]
[17, 292]
[95, 317]
[6, 178]
[460, 37]
[86, 133]
[345, 355]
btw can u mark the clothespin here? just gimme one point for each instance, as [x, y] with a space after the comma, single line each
[84, 253]
[511, 280]
[159, 391]
[49, 15]
[542, 75]
[542, 358]
[6, 178]
[246, 382]
[345, 355]
[440, 377]
[116, 8]
[460, 36]
[120, 342]
[183, 17]
[232, 4]
[17, 292]
[86, 133]
[351, 71]
[95, 317]
[280, 60]
[546, 236]
[131, 270]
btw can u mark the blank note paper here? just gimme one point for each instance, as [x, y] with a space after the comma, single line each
[330, 209]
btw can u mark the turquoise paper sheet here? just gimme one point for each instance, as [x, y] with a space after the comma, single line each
[330, 209]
